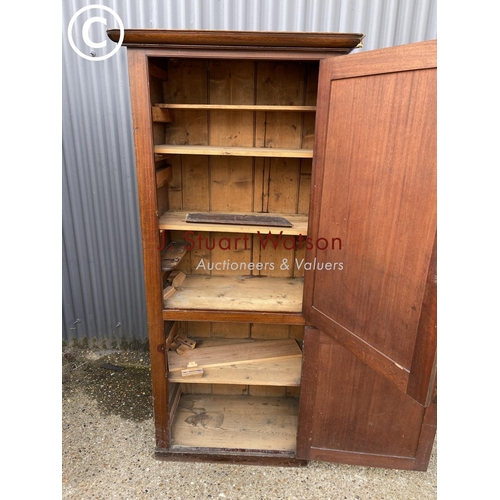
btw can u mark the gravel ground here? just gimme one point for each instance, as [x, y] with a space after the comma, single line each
[108, 442]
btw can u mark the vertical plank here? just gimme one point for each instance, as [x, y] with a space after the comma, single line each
[231, 81]
[231, 184]
[267, 391]
[311, 93]
[298, 259]
[196, 388]
[156, 95]
[196, 183]
[304, 186]
[230, 249]
[230, 330]
[281, 83]
[276, 262]
[262, 331]
[201, 255]
[175, 184]
[198, 329]
[284, 184]
[231, 128]
[230, 389]
[187, 83]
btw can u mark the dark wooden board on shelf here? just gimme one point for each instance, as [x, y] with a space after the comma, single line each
[176, 221]
[163, 176]
[172, 255]
[251, 220]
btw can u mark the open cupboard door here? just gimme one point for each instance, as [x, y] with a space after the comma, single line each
[373, 219]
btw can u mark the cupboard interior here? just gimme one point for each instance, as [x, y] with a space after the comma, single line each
[235, 137]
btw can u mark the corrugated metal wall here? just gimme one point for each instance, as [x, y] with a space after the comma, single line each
[103, 293]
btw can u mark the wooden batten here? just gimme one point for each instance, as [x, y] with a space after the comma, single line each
[283, 372]
[234, 354]
[162, 115]
[163, 176]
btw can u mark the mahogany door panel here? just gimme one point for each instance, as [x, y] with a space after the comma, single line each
[350, 413]
[373, 209]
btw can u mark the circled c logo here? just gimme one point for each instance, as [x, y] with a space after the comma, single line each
[85, 32]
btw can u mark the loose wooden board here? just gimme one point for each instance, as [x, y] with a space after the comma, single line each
[276, 372]
[235, 354]
[163, 175]
[176, 221]
[176, 278]
[172, 255]
[236, 219]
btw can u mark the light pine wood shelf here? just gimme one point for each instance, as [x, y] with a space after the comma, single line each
[212, 295]
[176, 221]
[187, 149]
[251, 299]
[237, 107]
[235, 422]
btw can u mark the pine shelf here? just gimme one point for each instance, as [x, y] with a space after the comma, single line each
[236, 107]
[238, 298]
[188, 149]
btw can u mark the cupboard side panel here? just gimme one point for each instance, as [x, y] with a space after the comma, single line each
[146, 182]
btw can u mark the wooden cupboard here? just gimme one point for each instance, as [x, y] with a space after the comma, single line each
[291, 189]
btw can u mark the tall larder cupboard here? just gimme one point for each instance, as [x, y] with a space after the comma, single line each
[287, 197]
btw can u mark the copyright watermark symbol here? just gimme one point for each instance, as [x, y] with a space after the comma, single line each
[86, 31]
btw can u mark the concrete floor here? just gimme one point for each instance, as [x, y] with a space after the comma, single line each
[108, 443]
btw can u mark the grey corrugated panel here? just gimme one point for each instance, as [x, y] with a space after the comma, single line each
[103, 295]
[103, 292]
